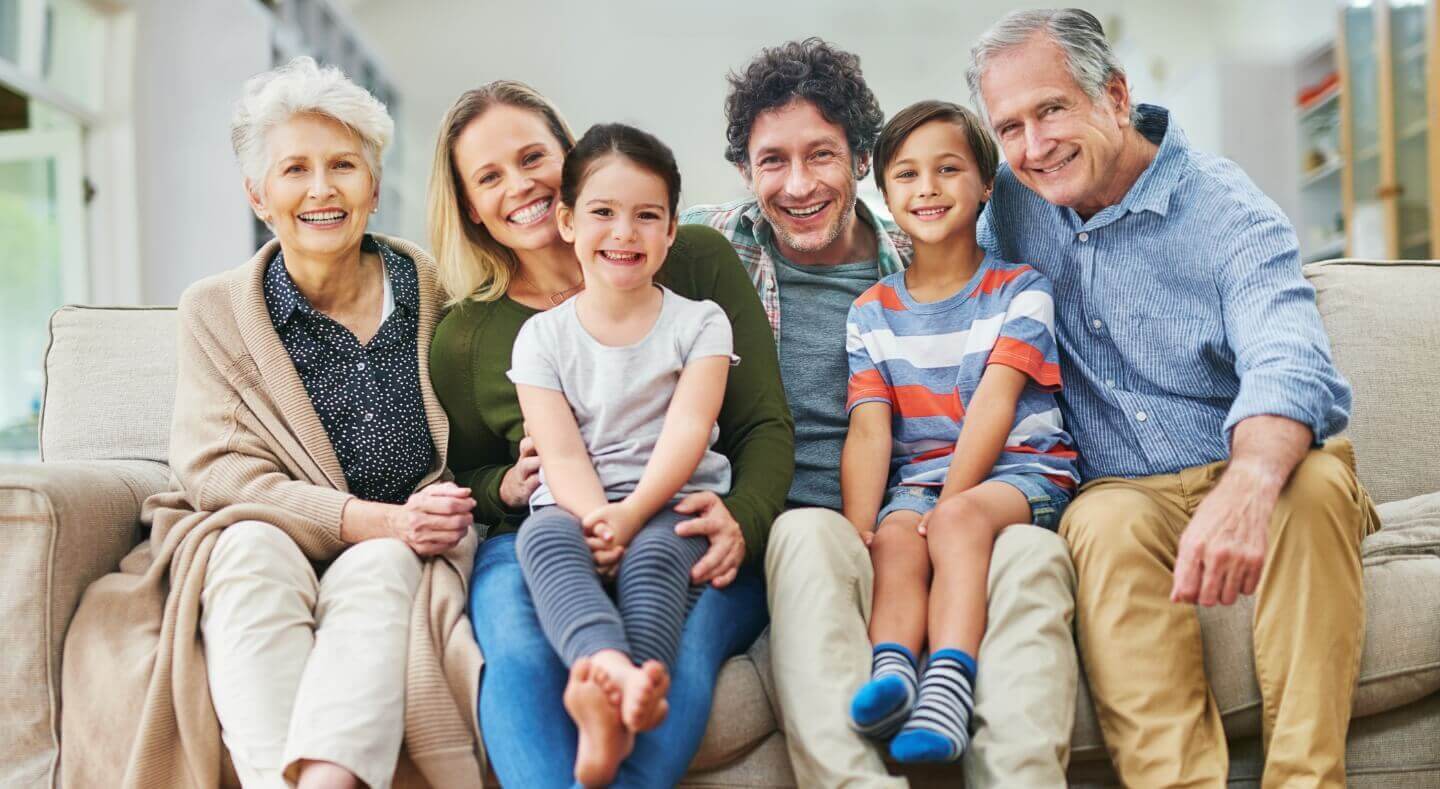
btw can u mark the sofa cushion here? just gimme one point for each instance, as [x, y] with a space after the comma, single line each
[109, 384]
[62, 525]
[1401, 662]
[740, 718]
[1381, 321]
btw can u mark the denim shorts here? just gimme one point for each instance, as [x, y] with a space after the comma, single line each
[1047, 500]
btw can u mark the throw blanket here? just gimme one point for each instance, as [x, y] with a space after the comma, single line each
[246, 444]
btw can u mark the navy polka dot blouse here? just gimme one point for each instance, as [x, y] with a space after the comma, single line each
[367, 396]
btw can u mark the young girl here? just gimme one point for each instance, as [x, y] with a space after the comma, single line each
[953, 366]
[620, 387]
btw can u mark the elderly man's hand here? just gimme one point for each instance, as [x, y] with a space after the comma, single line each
[1222, 552]
[434, 519]
[721, 563]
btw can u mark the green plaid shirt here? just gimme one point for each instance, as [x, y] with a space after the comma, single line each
[750, 234]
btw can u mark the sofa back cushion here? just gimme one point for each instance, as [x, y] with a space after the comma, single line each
[110, 374]
[1385, 334]
[109, 384]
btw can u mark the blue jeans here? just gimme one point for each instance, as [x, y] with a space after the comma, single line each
[530, 739]
[1047, 500]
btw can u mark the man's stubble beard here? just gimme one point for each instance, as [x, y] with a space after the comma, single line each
[832, 234]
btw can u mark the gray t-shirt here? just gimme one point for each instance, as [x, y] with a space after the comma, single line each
[620, 393]
[814, 304]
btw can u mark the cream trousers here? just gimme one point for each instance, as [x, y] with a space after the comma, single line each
[307, 667]
[820, 582]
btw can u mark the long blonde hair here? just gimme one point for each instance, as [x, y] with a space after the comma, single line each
[472, 264]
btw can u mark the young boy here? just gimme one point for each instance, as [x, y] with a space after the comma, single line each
[954, 431]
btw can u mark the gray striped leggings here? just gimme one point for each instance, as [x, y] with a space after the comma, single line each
[653, 593]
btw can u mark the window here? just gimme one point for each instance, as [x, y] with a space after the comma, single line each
[42, 255]
[49, 82]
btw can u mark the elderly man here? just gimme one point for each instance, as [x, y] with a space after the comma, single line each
[801, 127]
[1199, 387]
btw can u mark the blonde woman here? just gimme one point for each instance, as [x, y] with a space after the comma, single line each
[494, 190]
[310, 449]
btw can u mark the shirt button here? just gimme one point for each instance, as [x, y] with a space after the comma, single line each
[369, 416]
[1083, 237]
[360, 366]
[1141, 416]
[1097, 323]
[1110, 382]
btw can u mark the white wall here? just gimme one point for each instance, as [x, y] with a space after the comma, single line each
[662, 65]
[655, 63]
[191, 58]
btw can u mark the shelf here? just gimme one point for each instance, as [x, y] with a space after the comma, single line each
[1321, 102]
[1412, 52]
[1413, 130]
[1320, 174]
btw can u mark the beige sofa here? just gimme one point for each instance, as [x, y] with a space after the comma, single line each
[109, 386]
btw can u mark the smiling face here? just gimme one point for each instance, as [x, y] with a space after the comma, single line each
[318, 190]
[508, 163]
[801, 172]
[933, 186]
[1058, 141]
[621, 224]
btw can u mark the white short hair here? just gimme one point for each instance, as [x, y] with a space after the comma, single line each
[303, 87]
[1078, 34]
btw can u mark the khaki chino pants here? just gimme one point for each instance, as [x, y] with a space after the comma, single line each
[820, 583]
[1143, 655]
[307, 667]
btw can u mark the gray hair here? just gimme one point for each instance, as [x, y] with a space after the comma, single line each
[303, 87]
[1076, 31]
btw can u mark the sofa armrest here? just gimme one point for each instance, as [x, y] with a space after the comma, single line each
[62, 525]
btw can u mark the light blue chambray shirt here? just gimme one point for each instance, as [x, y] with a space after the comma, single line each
[1180, 311]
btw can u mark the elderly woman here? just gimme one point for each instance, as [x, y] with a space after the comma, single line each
[309, 448]
[494, 189]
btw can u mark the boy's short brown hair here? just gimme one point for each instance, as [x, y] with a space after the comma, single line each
[906, 121]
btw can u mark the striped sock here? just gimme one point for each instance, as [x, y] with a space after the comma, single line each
[881, 705]
[939, 729]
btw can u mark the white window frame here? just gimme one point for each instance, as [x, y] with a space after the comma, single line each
[66, 148]
[101, 256]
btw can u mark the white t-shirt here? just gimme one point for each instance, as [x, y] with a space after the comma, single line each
[620, 394]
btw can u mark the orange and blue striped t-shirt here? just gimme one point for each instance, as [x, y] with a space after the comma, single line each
[925, 360]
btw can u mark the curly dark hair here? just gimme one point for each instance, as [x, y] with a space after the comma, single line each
[813, 70]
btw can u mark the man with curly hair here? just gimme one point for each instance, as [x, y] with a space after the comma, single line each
[801, 128]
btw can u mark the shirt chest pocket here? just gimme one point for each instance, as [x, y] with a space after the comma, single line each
[1172, 350]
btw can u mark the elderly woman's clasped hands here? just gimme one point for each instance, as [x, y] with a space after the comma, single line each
[434, 519]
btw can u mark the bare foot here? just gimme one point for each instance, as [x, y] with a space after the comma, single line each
[644, 706]
[614, 691]
[604, 740]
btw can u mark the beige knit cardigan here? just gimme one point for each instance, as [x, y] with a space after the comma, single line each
[246, 444]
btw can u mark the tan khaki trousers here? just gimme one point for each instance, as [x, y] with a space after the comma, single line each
[820, 583]
[302, 667]
[1143, 655]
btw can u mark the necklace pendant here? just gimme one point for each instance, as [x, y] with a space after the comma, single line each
[558, 297]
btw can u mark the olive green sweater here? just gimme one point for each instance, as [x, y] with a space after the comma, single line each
[471, 352]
